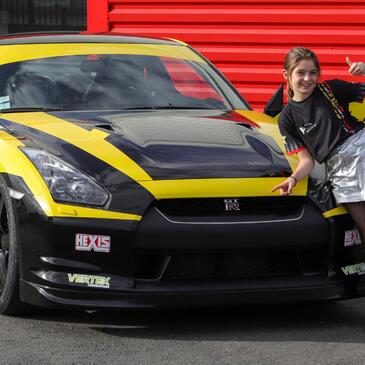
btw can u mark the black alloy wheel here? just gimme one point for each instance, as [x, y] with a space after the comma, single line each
[9, 271]
[4, 244]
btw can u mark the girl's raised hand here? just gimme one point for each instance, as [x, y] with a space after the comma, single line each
[356, 68]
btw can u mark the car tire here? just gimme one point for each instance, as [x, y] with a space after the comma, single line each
[10, 303]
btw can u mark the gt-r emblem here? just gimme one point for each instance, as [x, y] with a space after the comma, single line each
[231, 204]
[88, 242]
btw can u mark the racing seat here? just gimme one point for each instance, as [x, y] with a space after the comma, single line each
[118, 84]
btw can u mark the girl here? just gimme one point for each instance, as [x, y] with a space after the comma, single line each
[317, 125]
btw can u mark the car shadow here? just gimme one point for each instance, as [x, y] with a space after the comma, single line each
[321, 322]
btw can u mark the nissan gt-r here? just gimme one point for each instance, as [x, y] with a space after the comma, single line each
[133, 174]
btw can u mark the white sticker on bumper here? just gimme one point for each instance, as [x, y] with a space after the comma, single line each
[352, 238]
[88, 242]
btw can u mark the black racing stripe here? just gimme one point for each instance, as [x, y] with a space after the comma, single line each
[21, 137]
[94, 119]
[127, 195]
[173, 162]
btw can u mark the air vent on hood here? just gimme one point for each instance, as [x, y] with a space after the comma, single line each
[106, 126]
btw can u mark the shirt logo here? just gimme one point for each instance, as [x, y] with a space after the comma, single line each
[307, 127]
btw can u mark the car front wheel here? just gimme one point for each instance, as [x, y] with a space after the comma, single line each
[9, 247]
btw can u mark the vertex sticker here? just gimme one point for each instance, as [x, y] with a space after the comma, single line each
[88, 242]
[354, 269]
[352, 237]
[90, 280]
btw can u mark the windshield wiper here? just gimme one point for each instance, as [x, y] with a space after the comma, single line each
[162, 107]
[29, 109]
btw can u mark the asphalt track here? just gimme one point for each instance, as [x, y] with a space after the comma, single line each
[305, 333]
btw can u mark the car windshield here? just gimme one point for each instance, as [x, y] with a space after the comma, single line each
[103, 82]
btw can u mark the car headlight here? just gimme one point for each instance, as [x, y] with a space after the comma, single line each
[64, 182]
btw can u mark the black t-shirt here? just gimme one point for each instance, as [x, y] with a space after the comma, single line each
[322, 121]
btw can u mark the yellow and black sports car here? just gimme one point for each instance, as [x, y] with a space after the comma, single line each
[134, 174]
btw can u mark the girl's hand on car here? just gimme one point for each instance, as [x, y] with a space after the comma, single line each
[286, 186]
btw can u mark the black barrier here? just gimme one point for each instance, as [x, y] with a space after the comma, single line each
[42, 15]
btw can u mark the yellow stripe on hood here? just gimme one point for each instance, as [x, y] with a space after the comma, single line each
[210, 188]
[92, 141]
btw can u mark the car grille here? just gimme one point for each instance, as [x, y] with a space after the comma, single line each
[249, 206]
[234, 264]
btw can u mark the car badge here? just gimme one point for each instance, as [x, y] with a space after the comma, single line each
[231, 204]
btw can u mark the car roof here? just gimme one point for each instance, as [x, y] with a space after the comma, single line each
[68, 37]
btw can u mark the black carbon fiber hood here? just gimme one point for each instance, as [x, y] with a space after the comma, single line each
[183, 144]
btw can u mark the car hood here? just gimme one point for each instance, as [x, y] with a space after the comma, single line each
[164, 144]
[173, 145]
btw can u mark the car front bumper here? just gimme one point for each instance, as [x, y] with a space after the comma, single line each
[164, 263]
[188, 295]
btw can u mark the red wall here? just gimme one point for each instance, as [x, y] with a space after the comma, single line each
[246, 40]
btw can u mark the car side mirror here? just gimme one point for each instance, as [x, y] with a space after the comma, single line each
[276, 103]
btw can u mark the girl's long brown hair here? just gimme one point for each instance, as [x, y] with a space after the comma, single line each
[292, 59]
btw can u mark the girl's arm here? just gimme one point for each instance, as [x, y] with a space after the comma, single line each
[305, 166]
